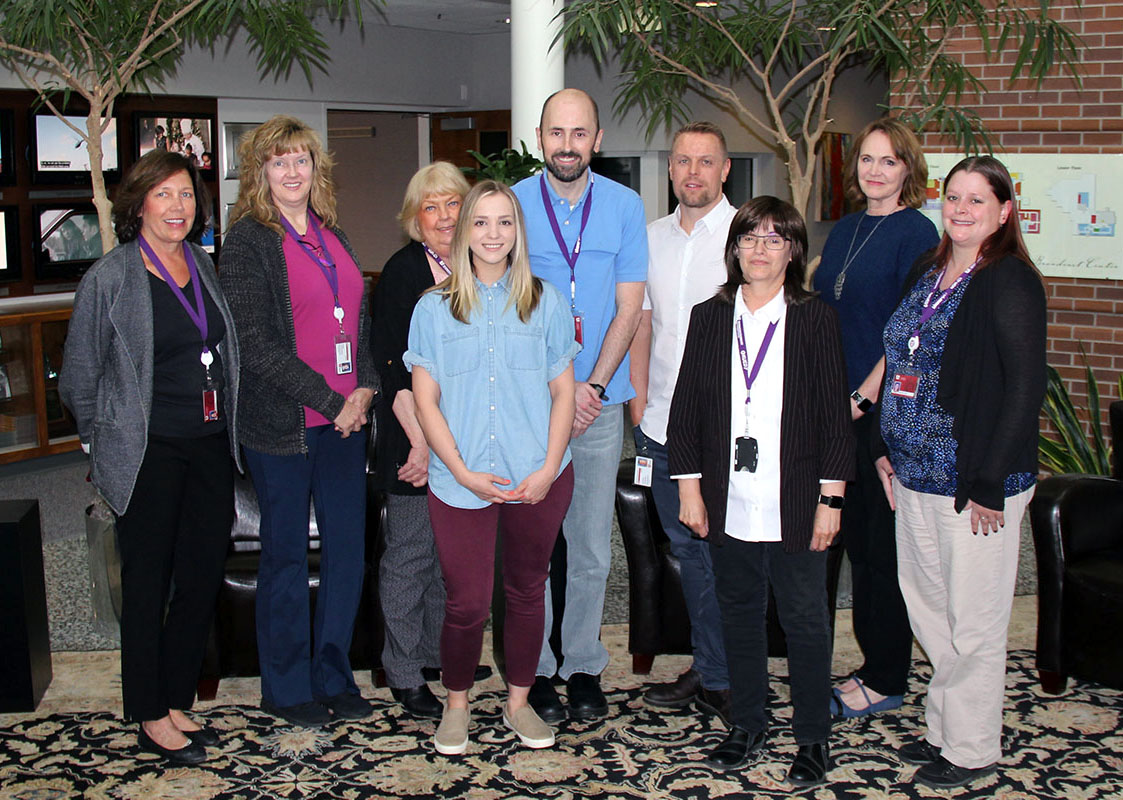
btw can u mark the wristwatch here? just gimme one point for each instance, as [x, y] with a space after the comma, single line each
[832, 500]
[601, 393]
[864, 403]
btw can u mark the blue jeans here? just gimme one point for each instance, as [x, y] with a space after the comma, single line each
[694, 558]
[588, 532]
[297, 667]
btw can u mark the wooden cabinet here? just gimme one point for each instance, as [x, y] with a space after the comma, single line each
[33, 420]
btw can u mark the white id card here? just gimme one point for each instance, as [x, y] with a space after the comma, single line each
[343, 364]
[644, 467]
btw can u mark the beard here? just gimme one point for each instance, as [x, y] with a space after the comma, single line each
[696, 198]
[563, 173]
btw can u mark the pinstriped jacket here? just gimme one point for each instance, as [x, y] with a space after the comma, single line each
[816, 440]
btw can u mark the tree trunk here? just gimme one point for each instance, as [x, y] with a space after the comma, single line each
[97, 176]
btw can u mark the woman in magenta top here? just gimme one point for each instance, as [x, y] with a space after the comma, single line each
[292, 280]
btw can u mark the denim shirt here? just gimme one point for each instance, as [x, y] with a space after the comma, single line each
[494, 373]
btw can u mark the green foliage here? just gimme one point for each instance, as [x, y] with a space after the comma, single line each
[1076, 451]
[508, 166]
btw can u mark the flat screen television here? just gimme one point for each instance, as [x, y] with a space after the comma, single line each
[191, 136]
[59, 154]
[7, 147]
[67, 240]
[11, 262]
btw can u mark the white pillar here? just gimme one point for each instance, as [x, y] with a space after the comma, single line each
[537, 65]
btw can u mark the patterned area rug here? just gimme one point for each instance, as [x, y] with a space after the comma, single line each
[1065, 747]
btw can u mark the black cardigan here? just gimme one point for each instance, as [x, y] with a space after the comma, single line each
[404, 278]
[992, 377]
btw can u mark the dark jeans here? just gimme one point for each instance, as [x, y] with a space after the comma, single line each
[697, 570]
[174, 532]
[881, 622]
[465, 540]
[297, 667]
[744, 571]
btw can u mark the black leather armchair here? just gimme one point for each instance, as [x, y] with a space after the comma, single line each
[1077, 523]
[657, 620]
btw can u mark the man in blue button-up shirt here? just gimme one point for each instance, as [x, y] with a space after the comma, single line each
[586, 236]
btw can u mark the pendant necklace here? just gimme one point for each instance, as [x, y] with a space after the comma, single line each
[852, 254]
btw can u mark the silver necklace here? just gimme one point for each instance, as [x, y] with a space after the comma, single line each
[852, 254]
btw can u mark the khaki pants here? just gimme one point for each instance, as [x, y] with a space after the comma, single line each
[958, 588]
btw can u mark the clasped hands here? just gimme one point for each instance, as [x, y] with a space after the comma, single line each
[533, 488]
[353, 415]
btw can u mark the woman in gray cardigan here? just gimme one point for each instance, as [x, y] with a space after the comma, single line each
[150, 373]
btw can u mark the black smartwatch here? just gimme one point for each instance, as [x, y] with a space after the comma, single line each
[601, 393]
[832, 500]
[864, 403]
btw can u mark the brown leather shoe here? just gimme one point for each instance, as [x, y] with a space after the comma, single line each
[677, 694]
[716, 702]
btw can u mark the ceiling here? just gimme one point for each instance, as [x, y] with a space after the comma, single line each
[453, 16]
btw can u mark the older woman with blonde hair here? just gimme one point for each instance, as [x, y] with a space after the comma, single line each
[294, 286]
[409, 582]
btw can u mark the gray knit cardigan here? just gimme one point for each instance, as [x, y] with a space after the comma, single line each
[275, 384]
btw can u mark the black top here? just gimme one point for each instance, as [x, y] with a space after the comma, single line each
[404, 278]
[178, 375]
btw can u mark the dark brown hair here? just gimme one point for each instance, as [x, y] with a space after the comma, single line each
[145, 174]
[906, 147]
[787, 222]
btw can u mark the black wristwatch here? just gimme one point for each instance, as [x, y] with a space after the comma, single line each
[601, 393]
[832, 500]
[864, 403]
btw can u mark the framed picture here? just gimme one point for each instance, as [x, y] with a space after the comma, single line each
[190, 136]
[232, 133]
[11, 266]
[59, 153]
[7, 147]
[833, 204]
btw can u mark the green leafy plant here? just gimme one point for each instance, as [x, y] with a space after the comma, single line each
[1081, 447]
[508, 166]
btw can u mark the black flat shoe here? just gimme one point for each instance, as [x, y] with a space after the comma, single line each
[735, 751]
[419, 701]
[810, 765]
[348, 705]
[717, 702]
[433, 674]
[586, 700]
[677, 694]
[206, 737]
[544, 700]
[191, 753]
[942, 774]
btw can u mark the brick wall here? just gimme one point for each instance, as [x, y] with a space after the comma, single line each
[1057, 117]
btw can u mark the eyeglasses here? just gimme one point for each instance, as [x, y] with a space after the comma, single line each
[771, 242]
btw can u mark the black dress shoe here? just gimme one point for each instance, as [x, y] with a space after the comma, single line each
[419, 701]
[191, 753]
[433, 674]
[303, 715]
[919, 752]
[735, 751]
[348, 705]
[942, 774]
[810, 765]
[545, 701]
[586, 700]
[677, 694]
[716, 702]
[205, 736]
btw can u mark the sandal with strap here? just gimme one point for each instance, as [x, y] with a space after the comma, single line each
[840, 709]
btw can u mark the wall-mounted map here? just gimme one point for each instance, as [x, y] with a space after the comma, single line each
[1069, 206]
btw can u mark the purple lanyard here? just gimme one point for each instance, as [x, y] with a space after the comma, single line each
[750, 377]
[930, 307]
[198, 314]
[323, 259]
[570, 258]
[440, 261]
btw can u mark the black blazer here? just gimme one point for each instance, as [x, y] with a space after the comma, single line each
[816, 440]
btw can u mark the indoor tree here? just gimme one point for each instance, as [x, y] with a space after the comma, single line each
[789, 53]
[99, 49]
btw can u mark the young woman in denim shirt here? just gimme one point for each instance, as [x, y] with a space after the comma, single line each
[491, 351]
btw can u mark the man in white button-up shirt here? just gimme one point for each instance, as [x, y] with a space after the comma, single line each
[686, 266]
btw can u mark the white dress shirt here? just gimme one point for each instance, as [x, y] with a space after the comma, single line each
[683, 270]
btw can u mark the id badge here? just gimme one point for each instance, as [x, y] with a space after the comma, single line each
[644, 467]
[904, 385]
[210, 401]
[578, 328]
[343, 365]
[746, 454]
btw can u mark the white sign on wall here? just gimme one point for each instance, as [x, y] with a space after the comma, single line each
[1069, 205]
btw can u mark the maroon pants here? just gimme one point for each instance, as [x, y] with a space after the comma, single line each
[465, 540]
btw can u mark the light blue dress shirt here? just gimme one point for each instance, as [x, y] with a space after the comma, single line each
[494, 374]
[613, 250]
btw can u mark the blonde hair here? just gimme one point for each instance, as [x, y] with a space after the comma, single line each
[278, 136]
[524, 290]
[435, 180]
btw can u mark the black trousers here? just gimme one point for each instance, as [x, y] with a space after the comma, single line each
[881, 622]
[744, 571]
[174, 533]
